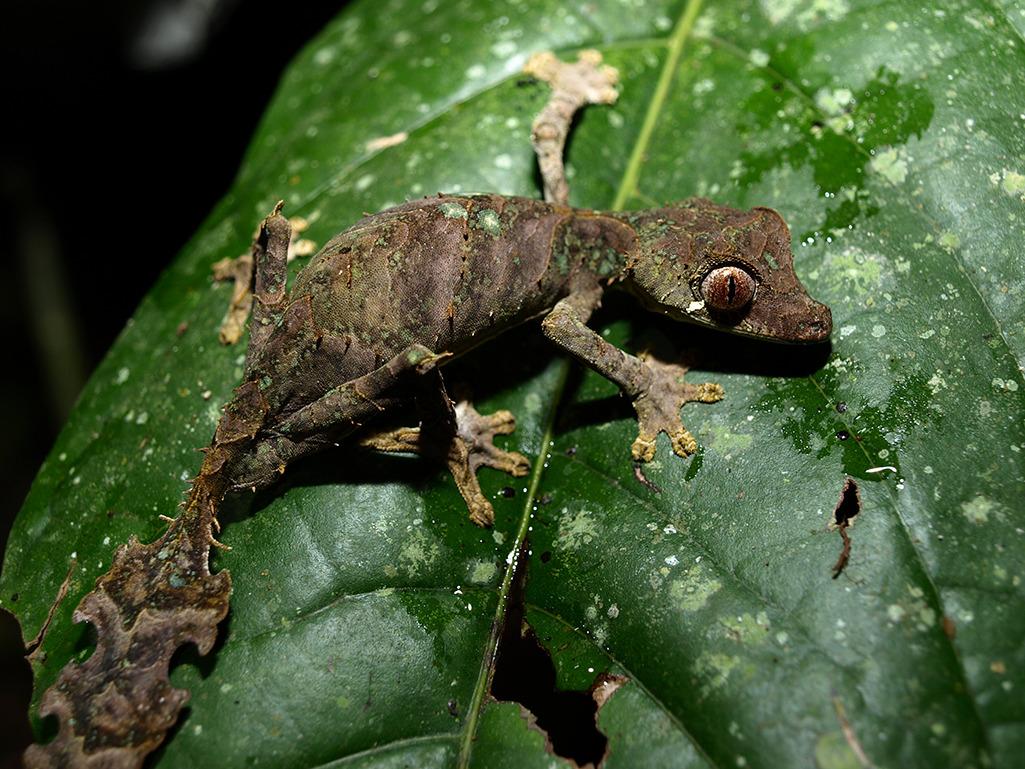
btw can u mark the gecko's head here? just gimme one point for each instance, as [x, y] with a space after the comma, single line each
[724, 268]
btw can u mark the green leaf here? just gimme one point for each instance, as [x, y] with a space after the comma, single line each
[892, 137]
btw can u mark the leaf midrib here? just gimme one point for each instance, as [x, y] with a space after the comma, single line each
[497, 625]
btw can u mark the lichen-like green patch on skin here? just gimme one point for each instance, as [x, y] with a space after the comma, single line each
[487, 219]
[977, 509]
[693, 589]
[606, 262]
[560, 257]
[576, 529]
[453, 211]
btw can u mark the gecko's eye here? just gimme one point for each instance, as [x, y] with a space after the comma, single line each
[728, 288]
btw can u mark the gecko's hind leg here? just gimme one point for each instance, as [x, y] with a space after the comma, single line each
[463, 438]
[321, 424]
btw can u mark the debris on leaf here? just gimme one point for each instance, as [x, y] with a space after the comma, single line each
[846, 511]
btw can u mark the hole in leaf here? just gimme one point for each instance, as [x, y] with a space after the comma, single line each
[16, 692]
[525, 673]
[847, 509]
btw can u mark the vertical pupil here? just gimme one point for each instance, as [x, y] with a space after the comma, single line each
[731, 290]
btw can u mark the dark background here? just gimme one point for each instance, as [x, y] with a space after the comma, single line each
[123, 122]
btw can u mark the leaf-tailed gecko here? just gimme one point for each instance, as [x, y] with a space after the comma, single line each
[367, 326]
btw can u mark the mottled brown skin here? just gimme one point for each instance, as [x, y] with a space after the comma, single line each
[366, 326]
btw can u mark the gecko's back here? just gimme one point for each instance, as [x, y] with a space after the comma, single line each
[445, 272]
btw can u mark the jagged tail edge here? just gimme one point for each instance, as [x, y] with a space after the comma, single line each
[117, 706]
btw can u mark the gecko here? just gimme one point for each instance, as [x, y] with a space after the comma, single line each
[367, 327]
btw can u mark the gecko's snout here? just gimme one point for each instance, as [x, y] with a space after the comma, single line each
[816, 328]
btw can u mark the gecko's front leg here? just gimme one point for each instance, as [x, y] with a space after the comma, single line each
[657, 388]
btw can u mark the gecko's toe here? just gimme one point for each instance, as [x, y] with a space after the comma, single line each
[658, 409]
[502, 422]
[683, 443]
[643, 448]
[473, 447]
[512, 462]
[483, 514]
[709, 392]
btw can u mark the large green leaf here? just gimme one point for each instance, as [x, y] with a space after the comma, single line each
[892, 137]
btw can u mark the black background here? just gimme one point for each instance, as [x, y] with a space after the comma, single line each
[115, 142]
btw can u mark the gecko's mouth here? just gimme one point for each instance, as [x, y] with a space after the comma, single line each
[811, 325]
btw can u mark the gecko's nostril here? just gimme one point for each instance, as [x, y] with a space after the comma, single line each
[816, 330]
[820, 327]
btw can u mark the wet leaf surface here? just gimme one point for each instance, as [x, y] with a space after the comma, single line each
[892, 137]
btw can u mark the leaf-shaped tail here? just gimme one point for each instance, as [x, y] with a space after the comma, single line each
[115, 707]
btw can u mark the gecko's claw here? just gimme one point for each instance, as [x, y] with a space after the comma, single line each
[658, 409]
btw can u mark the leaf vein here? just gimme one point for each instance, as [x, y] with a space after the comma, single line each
[402, 742]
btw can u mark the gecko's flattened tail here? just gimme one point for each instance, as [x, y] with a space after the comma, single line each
[116, 707]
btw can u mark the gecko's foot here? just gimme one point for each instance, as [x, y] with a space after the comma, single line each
[470, 448]
[474, 447]
[658, 409]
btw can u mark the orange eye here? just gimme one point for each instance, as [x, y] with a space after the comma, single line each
[728, 288]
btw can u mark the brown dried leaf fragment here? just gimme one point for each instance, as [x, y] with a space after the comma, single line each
[604, 686]
[240, 271]
[847, 509]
